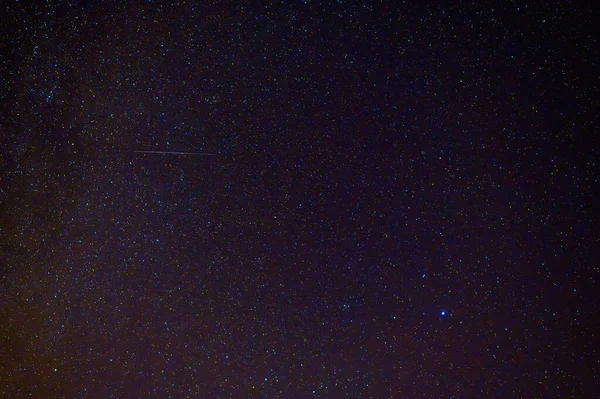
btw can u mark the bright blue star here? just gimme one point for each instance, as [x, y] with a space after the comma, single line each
[443, 313]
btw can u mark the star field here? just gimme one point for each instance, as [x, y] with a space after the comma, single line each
[398, 201]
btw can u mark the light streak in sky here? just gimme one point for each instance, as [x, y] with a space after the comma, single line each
[176, 153]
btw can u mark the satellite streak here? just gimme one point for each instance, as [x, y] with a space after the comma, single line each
[176, 153]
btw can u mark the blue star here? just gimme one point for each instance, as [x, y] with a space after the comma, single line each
[443, 313]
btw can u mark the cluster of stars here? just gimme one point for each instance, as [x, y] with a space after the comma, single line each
[297, 200]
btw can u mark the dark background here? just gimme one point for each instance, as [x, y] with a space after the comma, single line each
[401, 201]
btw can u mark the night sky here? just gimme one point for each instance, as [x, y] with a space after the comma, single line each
[389, 200]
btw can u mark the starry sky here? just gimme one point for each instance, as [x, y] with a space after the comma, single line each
[390, 199]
